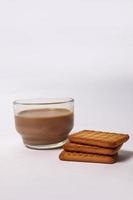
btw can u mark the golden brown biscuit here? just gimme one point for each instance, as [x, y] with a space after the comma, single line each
[73, 147]
[84, 157]
[99, 138]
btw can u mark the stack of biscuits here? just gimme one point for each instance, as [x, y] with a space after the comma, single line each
[93, 146]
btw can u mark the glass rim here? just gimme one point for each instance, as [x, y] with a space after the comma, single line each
[43, 101]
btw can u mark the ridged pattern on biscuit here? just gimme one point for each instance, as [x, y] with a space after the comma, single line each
[82, 157]
[73, 147]
[99, 138]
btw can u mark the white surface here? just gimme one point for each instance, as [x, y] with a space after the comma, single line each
[81, 49]
[29, 174]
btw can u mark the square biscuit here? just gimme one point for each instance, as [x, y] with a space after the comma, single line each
[83, 157]
[99, 138]
[73, 147]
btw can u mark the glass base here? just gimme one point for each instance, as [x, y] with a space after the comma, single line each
[49, 146]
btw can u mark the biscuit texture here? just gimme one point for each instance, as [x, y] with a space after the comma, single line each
[99, 138]
[73, 147]
[83, 157]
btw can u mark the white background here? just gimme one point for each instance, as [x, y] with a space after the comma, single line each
[82, 49]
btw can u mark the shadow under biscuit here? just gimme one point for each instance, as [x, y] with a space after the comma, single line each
[125, 155]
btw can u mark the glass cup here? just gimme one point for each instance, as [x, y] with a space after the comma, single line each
[44, 123]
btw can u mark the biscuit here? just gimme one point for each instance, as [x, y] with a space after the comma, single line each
[73, 147]
[99, 138]
[83, 157]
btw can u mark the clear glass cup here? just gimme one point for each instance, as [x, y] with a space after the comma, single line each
[44, 123]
